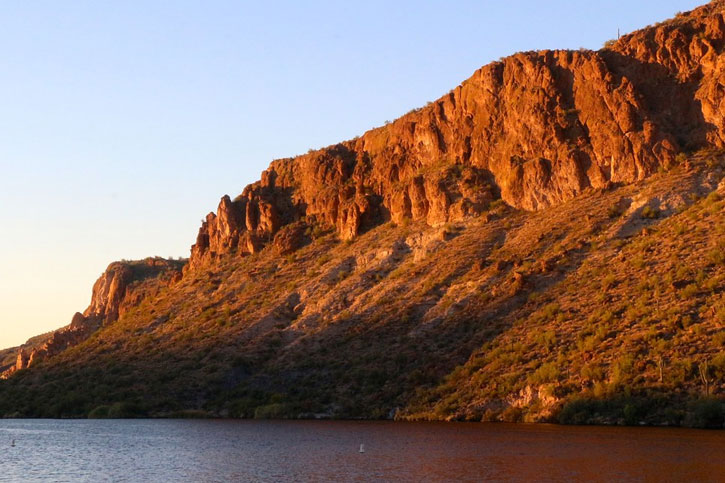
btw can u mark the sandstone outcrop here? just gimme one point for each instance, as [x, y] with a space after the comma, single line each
[534, 129]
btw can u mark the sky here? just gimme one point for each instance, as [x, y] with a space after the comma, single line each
[123, 123]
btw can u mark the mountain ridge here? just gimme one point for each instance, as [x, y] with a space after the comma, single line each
[534, 129]
[441, 224]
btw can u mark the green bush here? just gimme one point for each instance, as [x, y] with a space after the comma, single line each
[630, 414]
[592, 372]
[717, 255]
[99, 412]
[272, 411]
[705, 413]
[547, 372]
[614, 211]
[579, 411]
[125, 410]
[650, 212]
[512, 415]
[546, 339]
[622, 369]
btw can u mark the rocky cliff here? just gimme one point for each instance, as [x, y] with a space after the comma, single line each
[121, 287]
[534, 129]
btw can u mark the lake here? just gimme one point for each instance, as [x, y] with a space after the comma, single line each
[231, 450]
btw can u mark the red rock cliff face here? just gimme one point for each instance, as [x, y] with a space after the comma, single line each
[534, 129]
[121, 287]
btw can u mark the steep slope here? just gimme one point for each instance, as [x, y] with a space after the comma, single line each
[488, 256]
[463, 321]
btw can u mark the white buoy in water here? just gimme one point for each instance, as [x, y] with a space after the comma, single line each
[362, 448]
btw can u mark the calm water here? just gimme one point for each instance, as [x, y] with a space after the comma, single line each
[188, 450]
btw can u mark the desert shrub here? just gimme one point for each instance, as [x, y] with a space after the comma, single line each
[271, 411]
[614, 211]
[608, 281]
[587, 343]
[650, 213]
[689, 291]
[99, 412]
[630, 414]
[546, 339]
[548, 312]
[716, 256]
[621, 407]
[622, 369]
[207, 314]
[547, 372]
[512, 414]
[711, 284]
[674, 416]
[705, 413]
[639, 262]
[496, 204]
[717, 365]
[713, 197]
[592, 372]
[579, 411]
[323, 259]
[720, 313]
[679, 372]
[680, 228]
[125, 410]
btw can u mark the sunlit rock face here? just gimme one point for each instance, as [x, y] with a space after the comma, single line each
[535, 129]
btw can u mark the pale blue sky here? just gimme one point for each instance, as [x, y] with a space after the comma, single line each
[122, 123]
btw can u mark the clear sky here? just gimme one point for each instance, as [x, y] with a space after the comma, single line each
[122, 123]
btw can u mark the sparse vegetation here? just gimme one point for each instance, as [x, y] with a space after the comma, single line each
[605, 308]
[557, 334]
[650, 212]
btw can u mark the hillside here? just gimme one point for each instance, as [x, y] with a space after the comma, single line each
[545, 242]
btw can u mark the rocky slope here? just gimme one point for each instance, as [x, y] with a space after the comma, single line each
[119, 288]
[476, 258]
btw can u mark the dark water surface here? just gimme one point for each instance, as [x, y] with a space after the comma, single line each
[198, 450]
